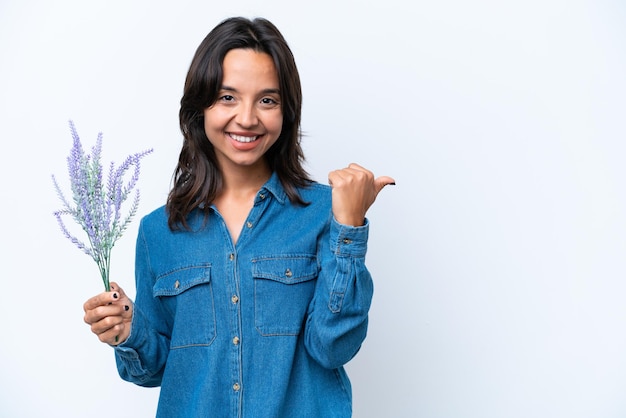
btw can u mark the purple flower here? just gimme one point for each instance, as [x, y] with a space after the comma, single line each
[95, 206]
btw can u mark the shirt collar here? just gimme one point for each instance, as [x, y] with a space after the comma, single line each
[275, 187]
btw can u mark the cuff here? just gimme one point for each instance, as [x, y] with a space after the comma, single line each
[349, 241]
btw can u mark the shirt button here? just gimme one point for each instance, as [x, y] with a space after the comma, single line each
[231, 256]
[249, 224]
[262, 196]
[234, 299]
[236, 387]
[288, 273]
[236, 341]
[347, 241]
[177, 284]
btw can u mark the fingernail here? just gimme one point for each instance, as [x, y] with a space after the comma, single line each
[114, 295]
[126, 307]
[392, 184]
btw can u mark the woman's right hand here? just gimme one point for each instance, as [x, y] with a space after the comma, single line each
[110, 314]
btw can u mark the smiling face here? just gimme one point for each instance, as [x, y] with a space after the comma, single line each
[246, 119]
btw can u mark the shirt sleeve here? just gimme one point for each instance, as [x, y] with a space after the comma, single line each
[337, 319]
[141, 358]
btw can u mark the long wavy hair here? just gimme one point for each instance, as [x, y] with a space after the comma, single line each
[197, 179]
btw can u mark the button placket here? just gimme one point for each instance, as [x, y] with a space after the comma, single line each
[235, 340]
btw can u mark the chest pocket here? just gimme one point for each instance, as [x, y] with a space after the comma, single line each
[188, 295]
[283, 289]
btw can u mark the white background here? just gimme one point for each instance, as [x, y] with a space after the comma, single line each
[499, 257]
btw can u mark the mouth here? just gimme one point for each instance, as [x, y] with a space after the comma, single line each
[242, 138]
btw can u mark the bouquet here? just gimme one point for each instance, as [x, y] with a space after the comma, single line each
[95, 205]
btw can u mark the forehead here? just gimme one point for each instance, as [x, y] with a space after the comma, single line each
[250, 67]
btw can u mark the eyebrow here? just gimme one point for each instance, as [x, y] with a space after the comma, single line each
[264, 91]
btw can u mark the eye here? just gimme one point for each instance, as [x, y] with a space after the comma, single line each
[227, 98]
[269, 101]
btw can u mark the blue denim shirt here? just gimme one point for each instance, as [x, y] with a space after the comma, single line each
[258, 329]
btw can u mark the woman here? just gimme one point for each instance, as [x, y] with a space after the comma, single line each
[252, 292]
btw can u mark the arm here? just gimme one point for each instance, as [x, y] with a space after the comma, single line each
[338, 315]
[337, 318]
[114, 318]
[141, 357]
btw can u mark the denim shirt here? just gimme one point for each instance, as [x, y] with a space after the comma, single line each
[258, 329]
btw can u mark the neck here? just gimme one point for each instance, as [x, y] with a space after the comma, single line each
[245, 181]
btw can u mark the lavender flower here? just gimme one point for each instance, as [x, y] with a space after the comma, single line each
[96, 206]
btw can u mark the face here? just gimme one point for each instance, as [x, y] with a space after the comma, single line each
[246, 120]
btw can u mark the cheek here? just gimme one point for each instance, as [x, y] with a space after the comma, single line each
[277, 124]
[212, 121]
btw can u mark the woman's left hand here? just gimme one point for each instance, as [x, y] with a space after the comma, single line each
[354, 189]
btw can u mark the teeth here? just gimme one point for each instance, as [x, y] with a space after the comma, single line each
[245, 139]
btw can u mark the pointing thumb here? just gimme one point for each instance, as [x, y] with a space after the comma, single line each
[383, 181]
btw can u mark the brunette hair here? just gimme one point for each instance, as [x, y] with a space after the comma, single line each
[197, 179]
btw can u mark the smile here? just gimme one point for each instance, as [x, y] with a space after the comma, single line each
[244, 139]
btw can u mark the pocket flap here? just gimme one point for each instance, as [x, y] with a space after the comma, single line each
[286, 269]
[177, 281]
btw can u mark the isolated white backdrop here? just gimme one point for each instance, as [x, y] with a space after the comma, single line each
[498, 259]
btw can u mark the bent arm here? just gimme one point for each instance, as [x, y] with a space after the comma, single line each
[141, 358]
[338, 314]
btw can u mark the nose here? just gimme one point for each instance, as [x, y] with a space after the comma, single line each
[247, 115]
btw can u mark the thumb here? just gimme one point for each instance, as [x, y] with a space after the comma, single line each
[383, 181]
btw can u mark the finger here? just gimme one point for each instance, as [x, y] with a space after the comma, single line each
[383, 181]
[102, 299]
[115, 329]
[348, 174]
[116, 288]
[335, 177]
[102, 312]
[355, 166]
[357, 170]
[105, 317]
[110, 335]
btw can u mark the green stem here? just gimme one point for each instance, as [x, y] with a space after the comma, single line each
[105, 271]
[104, 265]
